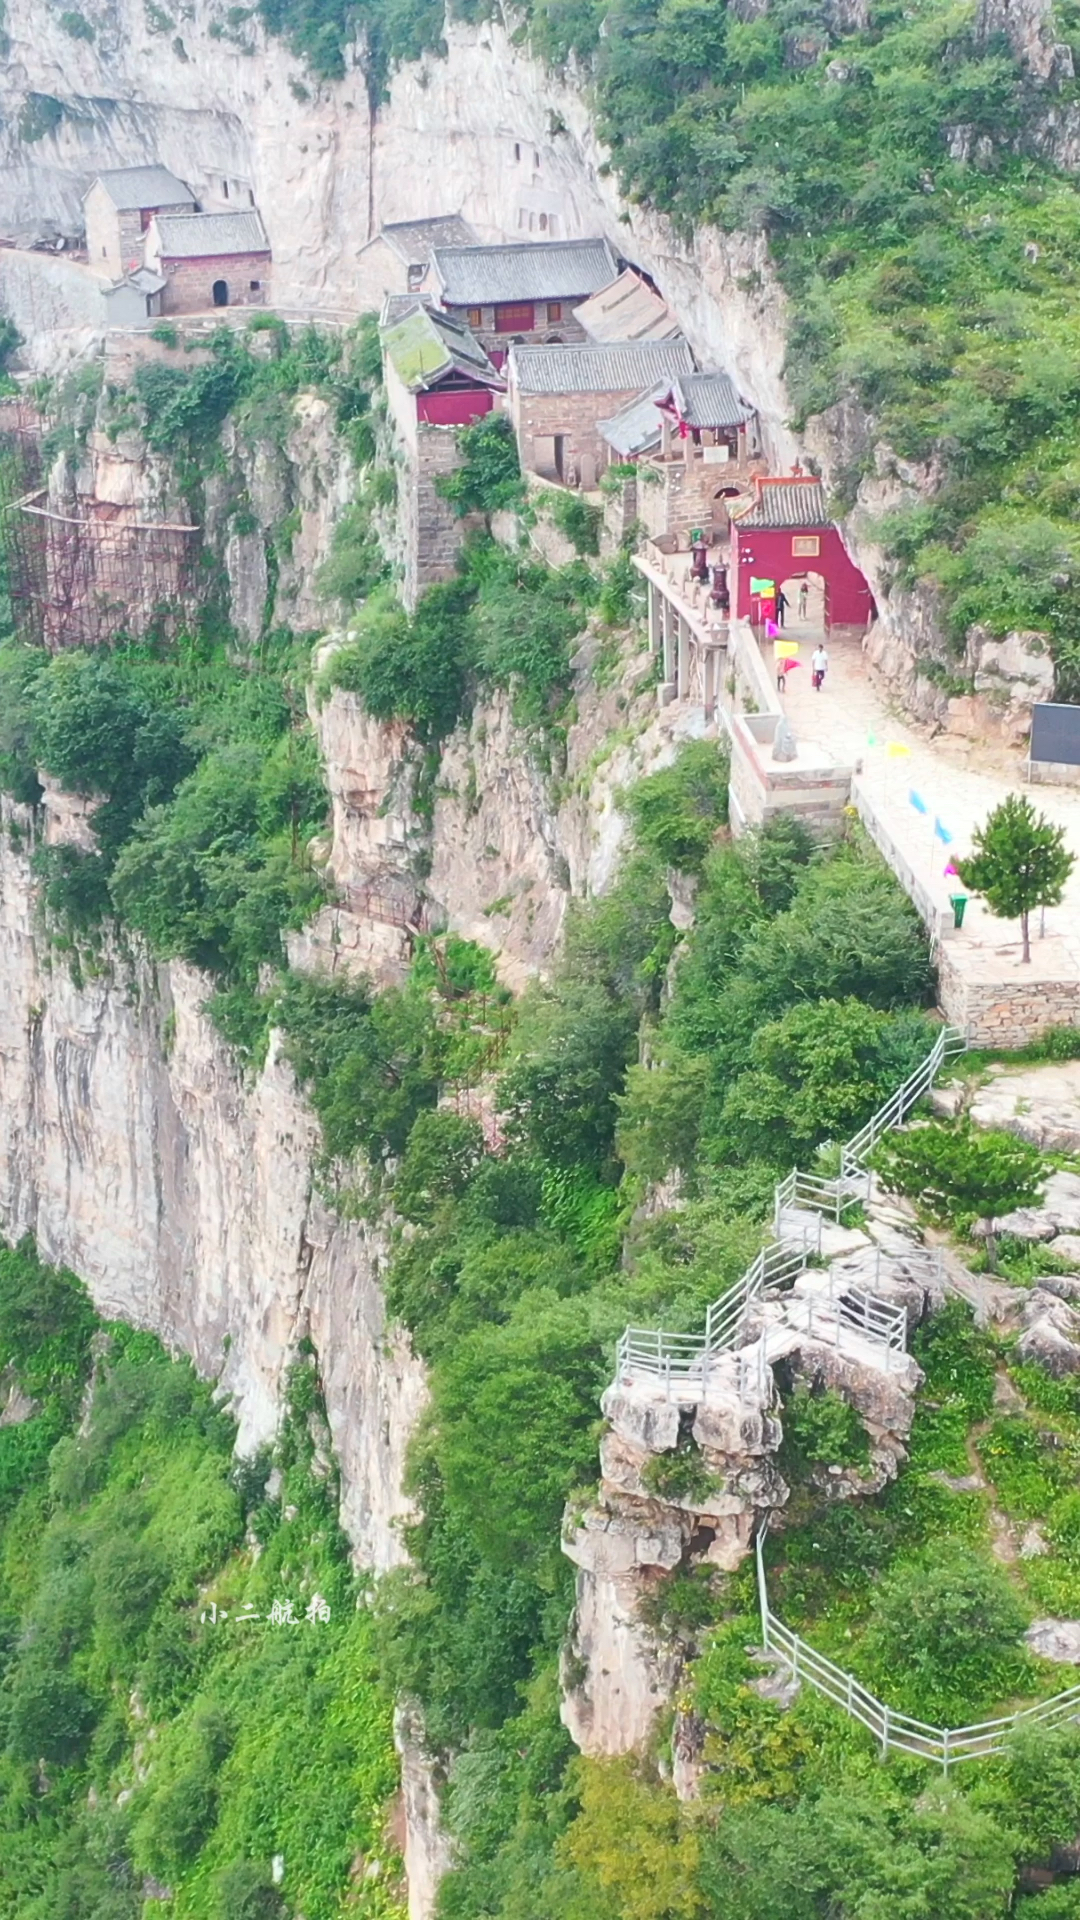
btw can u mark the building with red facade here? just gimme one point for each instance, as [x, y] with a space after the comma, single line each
[784, 535]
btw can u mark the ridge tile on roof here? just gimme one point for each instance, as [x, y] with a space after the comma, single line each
[799, 502]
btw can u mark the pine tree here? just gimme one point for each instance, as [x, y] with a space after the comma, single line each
[1020, 861]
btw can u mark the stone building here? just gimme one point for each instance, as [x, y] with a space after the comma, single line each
[523, 292]
[559, 395]
[210, 260]
[398, 259]
[119, 208]
[438, 378]
[698, 445]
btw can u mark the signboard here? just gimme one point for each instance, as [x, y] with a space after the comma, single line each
[1055, 734]
[806, 546]
[696, 537]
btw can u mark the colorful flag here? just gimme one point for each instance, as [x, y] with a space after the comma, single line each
[764, 588]
[895, 750]
[771, 629]
[942, 833]
[785, 649]
[918, 802]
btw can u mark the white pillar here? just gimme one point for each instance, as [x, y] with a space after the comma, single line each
[684, 659]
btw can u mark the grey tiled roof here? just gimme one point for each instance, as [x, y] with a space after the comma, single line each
[201, 236]
[709, 400]
[413, 240]
[136, 187]
[636, 428]
[622, 369]
[539, 270]
[786, 503]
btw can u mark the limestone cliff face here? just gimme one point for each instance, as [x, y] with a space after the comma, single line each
[132, 1150]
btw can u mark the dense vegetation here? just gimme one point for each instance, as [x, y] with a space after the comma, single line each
[161, 1736]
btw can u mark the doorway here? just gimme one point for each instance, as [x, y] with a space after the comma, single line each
[721, 522]
[807, 596]
[220, 293]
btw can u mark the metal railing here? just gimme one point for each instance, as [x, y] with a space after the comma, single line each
[683, 1356]
[948, 1045]
[827, 1316]
[897, 1732]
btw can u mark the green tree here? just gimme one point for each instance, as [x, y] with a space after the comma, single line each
[1020, 861]
[816, 1074]
[441, 1155]
[961, 1172]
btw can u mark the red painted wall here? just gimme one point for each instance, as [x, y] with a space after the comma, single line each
[454, 409]
[765, 553]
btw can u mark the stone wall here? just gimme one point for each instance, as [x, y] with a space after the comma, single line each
[539, 416]
[190, 283]
[676, 495]
[998, 1001]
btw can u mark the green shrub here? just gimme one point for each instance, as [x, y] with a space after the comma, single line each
[77, 25]
[488, 478]
[577, 520]
[821, 1429]
[676, 814]
[681, 1475]
[943, 1638]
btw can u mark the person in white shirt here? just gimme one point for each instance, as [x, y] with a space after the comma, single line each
[819, 666]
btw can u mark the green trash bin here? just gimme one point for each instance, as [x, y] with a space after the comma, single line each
[958, 901]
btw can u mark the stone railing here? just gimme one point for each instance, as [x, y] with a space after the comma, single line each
[898, 1732]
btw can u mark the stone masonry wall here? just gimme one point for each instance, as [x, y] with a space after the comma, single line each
[574, 415]
[191, 282]
[1007, 1012]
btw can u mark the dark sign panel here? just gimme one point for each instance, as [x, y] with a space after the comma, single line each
[1055, 734]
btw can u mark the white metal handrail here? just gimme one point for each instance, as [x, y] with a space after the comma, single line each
[893, 1731]
[668, 1356]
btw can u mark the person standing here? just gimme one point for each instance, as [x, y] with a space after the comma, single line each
[819, 666]
[782, 604]
[804, 598]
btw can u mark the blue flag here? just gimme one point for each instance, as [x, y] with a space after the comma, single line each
[942, 833]
[918, 802]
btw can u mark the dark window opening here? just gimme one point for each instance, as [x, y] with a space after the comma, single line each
[225, 188]
[254, 286]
